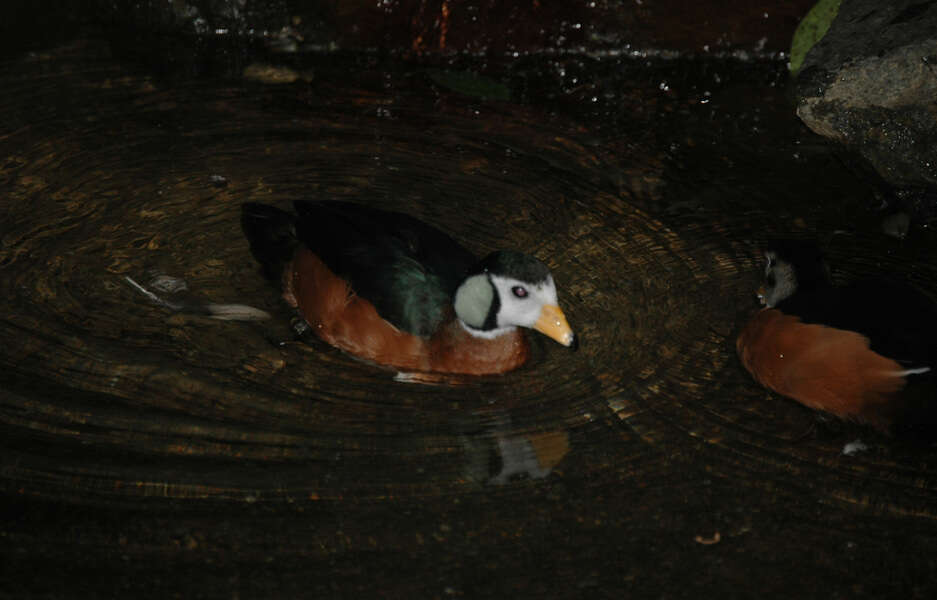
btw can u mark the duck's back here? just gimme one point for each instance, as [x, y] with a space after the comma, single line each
[407, 269]
[898, 320]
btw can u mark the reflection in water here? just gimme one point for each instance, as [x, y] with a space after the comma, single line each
[147, 189]
[502, 454]
[651, 218]
[533, 455]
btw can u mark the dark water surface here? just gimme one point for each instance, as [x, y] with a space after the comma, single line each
[156, 454]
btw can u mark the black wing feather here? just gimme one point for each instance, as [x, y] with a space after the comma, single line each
[407, 269]
[900, 322]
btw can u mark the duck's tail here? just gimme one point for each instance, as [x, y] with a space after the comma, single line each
[916, 416]
[272, 236]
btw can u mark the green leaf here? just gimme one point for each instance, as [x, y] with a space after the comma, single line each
[811, 30]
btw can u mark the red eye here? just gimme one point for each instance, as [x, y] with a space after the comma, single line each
[519, 291]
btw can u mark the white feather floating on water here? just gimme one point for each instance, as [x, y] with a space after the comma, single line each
[222, 312]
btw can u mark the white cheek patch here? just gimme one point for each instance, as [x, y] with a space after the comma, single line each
[473, 300]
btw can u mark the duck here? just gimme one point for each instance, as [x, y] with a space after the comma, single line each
[394, 291]
[863, 352]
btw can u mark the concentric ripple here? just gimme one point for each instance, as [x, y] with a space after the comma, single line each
[109, 397]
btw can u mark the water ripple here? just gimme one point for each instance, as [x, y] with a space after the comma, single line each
[128, 400]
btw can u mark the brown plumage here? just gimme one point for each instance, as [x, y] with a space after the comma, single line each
[864, 352]
[397, 292]
[347, 321]
[821, 367]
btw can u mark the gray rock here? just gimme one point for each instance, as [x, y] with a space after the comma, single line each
[871, 83]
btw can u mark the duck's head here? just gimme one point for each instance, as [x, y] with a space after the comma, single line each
[791, 267]
[507, 290]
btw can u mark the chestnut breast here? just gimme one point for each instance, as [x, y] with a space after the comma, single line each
[822, 367]
[348, 321]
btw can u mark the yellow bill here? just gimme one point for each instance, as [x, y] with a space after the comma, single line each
[552, 323]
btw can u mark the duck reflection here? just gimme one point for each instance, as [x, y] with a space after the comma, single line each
[502, 454]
